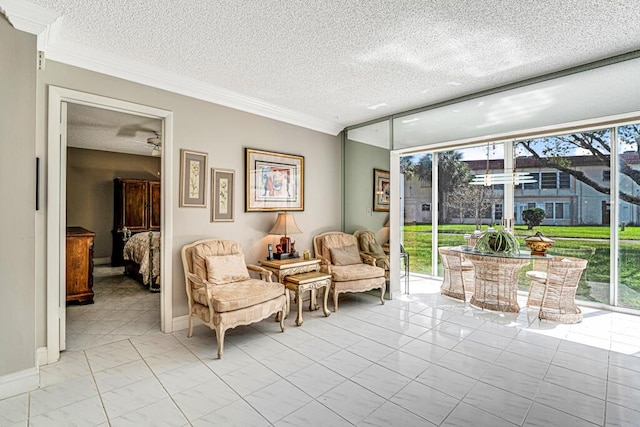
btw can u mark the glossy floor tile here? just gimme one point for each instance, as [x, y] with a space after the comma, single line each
[419, 360]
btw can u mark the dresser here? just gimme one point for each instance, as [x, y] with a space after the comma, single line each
[136, 208]
[79, 262]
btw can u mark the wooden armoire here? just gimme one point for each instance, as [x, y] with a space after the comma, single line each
[136, 207]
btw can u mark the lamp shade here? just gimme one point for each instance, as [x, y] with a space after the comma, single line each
[285, 225]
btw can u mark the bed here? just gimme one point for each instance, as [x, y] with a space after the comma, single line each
[142, 259]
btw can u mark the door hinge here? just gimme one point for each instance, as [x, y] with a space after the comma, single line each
[40, 60]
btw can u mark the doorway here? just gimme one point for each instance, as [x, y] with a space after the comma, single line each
[113, 197]
[56, 207]
[606, 212]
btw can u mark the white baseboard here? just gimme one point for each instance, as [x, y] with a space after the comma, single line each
[19, 382]
[182, 322]
[102, 261]
[42, 356]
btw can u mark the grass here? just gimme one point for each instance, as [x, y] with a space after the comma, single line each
[578, 232]
[570, 241]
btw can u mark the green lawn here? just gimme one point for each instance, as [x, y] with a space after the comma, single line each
[569, 241]
[580, 232]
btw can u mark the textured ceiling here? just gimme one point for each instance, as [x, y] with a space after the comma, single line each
[105, 130]
[351, 61]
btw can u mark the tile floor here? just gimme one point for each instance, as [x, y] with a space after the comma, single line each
[420, 360]
[122, 309]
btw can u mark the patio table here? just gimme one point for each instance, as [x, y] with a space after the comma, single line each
[496, 278]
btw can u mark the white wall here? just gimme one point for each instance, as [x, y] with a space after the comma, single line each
[600, 92]
[223, 133]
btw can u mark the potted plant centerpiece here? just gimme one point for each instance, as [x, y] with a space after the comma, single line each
[498, 241]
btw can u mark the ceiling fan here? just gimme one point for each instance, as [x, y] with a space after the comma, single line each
[155, 141]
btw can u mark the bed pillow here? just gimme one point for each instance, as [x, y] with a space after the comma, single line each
[345, 255]
[226, 269]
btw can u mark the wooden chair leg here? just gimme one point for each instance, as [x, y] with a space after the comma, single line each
[282, 317]
[190, 334]
[220, 338]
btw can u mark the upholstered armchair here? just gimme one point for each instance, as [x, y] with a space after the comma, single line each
[368, 245]
[221, 292]
[350, 271]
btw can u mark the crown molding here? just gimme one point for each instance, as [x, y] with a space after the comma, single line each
[46, 25]
[105, 63]
[32, 19]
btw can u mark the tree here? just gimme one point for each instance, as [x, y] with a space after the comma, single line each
[452, 173]
[407, 167]
[474, 200]
[557, 151]
[533, 217]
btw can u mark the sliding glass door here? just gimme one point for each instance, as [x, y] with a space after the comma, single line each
[628, 291]
[584, 186]
[572, 191]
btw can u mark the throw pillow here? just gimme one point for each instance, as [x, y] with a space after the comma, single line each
[345, 255]
[376, 249]
[364, 243]
[226, 269]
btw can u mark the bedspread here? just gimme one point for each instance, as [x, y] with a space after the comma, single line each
[137, 250]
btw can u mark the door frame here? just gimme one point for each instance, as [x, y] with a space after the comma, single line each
[56, 206]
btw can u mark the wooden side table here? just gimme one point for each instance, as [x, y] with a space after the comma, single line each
[300, 283]
[288, 267]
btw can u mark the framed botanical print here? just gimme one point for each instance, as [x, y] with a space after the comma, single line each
[274, 181]
[381, 190]
[193, 178]
[222, 195]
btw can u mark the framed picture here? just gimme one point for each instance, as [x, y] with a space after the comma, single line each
[381, 190]
[193, 178]
[274, 181]
[222, 195]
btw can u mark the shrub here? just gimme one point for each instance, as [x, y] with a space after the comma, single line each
[533, 217]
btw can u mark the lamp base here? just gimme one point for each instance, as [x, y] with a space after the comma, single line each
[289, 255]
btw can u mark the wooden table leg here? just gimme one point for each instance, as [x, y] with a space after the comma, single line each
[313, 300]
[299, 293]
[325, 309]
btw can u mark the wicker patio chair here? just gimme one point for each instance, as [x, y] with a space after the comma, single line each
[558, 301]
[458, 274]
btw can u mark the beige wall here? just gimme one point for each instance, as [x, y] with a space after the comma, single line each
[222, 133]
[17, 199]
[360, 161]
[90, 176]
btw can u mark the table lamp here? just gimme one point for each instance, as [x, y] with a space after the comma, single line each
[285, 225]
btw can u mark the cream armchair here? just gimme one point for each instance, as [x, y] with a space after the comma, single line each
[350, 271]
[221, 292]
[368, 245]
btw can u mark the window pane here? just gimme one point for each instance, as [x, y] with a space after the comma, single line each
[498, 211]
[629, 216]
[578, 217]
[549, 179]
[533, 185]
[548, 207]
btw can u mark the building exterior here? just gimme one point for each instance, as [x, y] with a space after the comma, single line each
[566, 200]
